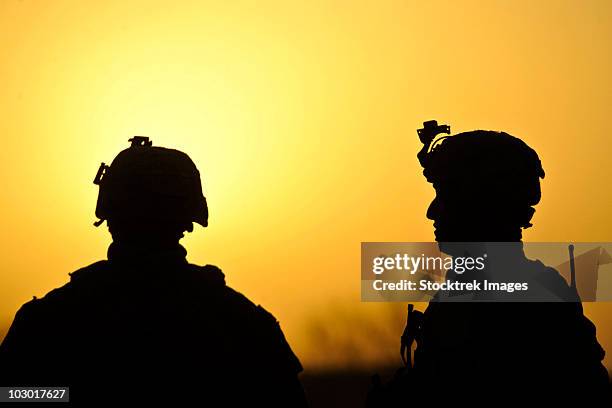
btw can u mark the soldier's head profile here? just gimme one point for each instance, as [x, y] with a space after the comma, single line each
[150, 193]
[486, 185]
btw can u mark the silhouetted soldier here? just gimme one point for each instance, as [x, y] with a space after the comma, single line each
[486, 185]
[146, 324]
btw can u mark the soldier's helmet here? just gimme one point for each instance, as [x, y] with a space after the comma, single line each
[150, 183]
[488, 165]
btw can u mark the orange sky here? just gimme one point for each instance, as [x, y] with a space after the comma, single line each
[301, 117]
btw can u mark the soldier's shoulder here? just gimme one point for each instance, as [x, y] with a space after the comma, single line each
[88, 272]
[59, 295]
[258, 315]
[211, 275]
[213, 278]
[550, 279]
[266, 334]
[275, 338]
[547, 272]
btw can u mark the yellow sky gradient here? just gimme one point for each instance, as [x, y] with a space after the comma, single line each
[301, 117]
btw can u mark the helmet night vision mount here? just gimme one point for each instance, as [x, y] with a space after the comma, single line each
[427, 134]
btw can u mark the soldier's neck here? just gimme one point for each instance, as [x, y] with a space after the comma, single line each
[146, 250]
[147, 243]
[497, 235]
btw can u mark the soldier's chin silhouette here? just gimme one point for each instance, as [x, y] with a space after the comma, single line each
[466, 220]
[472, 217]
[145, 325]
